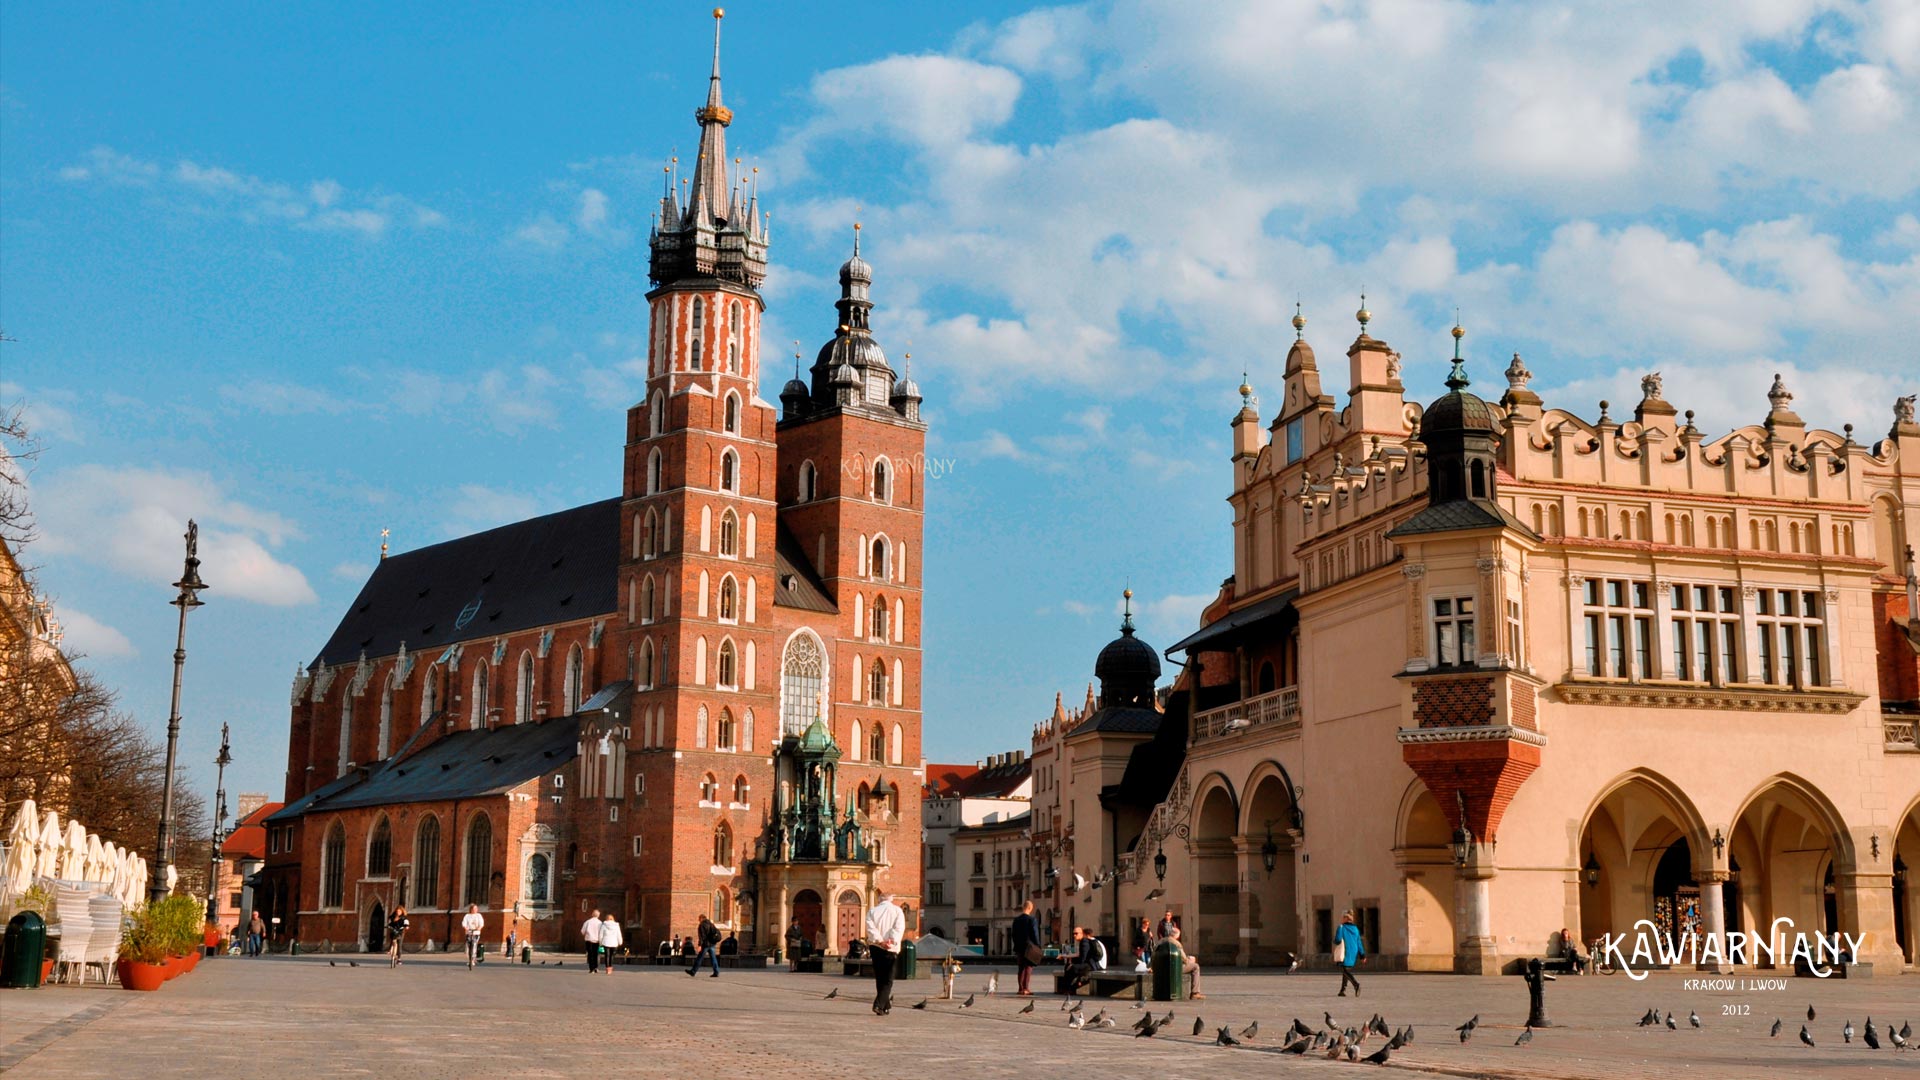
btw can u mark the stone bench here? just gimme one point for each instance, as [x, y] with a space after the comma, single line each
[1130, 985]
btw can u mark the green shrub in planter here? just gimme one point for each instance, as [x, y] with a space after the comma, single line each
[177, 923]
[140, 941]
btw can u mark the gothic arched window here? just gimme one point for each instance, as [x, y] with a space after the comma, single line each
[523, 691]
[729, 471]
[333, 868]
[576, 682]
[882, 485]
[426, 863]
[479, 860]
[877, 688]
[724, 741]
[346, 730]
[877, 743]
[723, 845]
[877, 566]
[801, 670]
[726, 667]
[729, 533]
[732, 419]
[380, 849]
[699, 328]
[809, 482]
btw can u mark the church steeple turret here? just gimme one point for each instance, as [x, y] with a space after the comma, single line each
[719, 233]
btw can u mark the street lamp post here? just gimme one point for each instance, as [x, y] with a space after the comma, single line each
[219, 818]
[190, 586]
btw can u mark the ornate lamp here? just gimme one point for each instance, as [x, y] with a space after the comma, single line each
[1269, 851]
[1160, 865]
[1592, 870]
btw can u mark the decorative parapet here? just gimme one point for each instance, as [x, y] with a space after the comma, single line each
[1681, 696]
[1470, 733]
[1902, 732]
[1278, 710]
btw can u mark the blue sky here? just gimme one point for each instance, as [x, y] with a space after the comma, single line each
[309, 271]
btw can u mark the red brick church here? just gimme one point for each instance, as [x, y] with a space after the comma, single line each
[701, 697]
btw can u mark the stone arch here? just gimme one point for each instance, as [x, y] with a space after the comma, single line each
[1422, 838]
[1213, 923]
[1269, 904]
[1637, 822]
[1785, 837]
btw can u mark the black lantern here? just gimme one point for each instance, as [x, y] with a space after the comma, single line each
[1160, 865]
[1269, 851]
[1899, 870]
[1462, 845]
[1592, 870]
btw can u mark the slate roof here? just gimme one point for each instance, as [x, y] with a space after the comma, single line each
[1228, 625]
[997, 782]
[1460, 514]
[1120, 720]
[465, 764]
[796, 583]
[1154, 764]
[293, 810]
[941, 779]
[556, 568]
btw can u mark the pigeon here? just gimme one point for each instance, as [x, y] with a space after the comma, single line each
[1525, 1037]
[1299, 1028]
[1027, 1010]
[1471, 1024]
[1168, 1019]
[1406, 1037]
[1352, 1054]
[1804, 1037]
[1898, 1038]
[1846, 1033]
[1649, 1018]
[1906, 1030]
[831, 994]
[1076, 1021]
[1399, 1040]
[1225, 1038]
[1331, 1026]
[1671, 1026]
[1068, 1005]
[1102, 1019]
[1379, 1025]
[1298, 1046]
[1809, 1014]
[1146, 1032]
[1869, 1036]
[1251, 1031]
[993, 983]
[1339, 1047]
[921, 1004]
[967, 1004]
[1144, 1022]
[1293, 965]
[1199, 1025]
[1379, 1057]
[1775, 1033]
[1694, 1019]
[353, 963]
[1465, 1033]
[559, 963]
[332, 964]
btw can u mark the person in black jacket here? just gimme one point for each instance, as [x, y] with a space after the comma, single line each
[1026, 945]
[1081, 964]
[709, 936]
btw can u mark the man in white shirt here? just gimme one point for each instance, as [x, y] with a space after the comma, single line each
[886, 929]
[590, 932]
[610, 939]
[474, 923]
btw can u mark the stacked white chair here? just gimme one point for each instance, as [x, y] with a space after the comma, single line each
[76, 926]
[104, 947]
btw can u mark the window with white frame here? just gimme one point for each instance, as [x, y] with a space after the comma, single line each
[1453, 631]
[1790, 630]
[1705, 634]
[1516, 636]
[1617, 617]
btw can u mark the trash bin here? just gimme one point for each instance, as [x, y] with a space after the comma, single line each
[1169, 972]
[526, 954]
[24, 952]
[907, 964]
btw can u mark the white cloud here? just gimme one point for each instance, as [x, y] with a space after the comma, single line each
[594, 211]
[543, 232]
[351, 572]
[130, 520]
[936, 101]
[475, 507]
[90, 637]
[274, 397]
[321, 205]
[49, 415]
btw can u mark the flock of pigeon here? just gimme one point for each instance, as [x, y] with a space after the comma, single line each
[1337, 1041]
[1901, 1037]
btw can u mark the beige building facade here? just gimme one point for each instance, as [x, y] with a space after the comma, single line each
[1488, 670]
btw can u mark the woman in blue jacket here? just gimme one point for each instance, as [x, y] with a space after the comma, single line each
[1347, 940]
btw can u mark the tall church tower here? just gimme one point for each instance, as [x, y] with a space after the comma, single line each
[698, 527]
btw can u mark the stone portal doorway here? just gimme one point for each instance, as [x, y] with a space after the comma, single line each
[377, 928]
[847, 920]
[806, 912]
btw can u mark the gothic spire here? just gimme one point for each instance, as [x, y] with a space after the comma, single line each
[711, 199]
[715, 230]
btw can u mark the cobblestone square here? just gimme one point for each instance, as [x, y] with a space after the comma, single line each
[323, 1017]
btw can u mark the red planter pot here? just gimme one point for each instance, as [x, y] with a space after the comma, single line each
[193, 960]
[173, 967]
[137, 975]
[46, 971]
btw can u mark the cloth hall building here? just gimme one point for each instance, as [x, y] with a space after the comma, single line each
[1487, 670]
[698, 697]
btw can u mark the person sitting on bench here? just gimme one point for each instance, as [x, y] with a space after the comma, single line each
[1570, 945]
[1080, 964]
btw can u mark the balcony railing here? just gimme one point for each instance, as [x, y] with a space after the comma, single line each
[1903, 733]
[1278, 710]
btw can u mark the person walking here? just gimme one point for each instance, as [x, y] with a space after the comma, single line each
[473, 923]
[1026, 946]
[396, 928]
[709, 937]
[1348, 951]
[256, 934]
[590, 933]
[610, 939]
[513, 939]
[886, 928]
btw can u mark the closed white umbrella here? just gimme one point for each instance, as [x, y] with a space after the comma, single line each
[21, 858]
[73, 853]
[48, 846]
[96, 866]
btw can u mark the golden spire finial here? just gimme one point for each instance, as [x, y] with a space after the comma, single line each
[384, 533]
[1363, 314]
[1299, 322]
